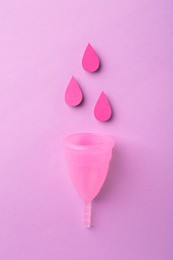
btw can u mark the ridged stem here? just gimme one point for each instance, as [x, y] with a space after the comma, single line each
[87, 214]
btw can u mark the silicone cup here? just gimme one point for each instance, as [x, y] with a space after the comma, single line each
[88, 156]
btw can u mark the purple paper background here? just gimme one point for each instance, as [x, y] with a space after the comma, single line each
[41, 46]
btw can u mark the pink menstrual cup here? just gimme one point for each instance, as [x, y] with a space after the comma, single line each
[88, 156]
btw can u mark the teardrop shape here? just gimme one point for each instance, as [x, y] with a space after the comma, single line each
[73, 94]
[102, 110]
[90, 60]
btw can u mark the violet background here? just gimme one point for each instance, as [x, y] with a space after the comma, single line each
[41, 47]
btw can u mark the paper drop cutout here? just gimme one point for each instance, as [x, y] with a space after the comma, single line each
[102, 110]
[73, 94]
[90, 60]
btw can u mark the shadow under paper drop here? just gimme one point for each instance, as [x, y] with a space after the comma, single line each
[100, 68]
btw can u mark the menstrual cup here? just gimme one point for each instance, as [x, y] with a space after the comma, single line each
[88, 156]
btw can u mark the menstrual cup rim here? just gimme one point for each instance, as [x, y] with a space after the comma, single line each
[89, 147]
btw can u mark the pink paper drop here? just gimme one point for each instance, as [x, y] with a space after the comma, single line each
[73, 94]
[102, 110]
[90, 60]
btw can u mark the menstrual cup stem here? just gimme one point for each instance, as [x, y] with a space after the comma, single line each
[87, 214]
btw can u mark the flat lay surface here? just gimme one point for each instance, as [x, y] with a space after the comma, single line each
[41, 47]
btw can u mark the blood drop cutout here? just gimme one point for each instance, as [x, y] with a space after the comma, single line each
[73, 94]
[90, 60]
[102, 110]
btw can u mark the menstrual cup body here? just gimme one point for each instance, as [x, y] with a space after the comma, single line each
[88, 164]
